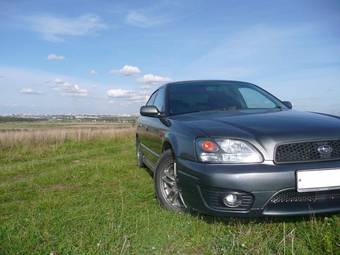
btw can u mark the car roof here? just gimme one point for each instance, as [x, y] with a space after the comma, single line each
[204, 81]
[199, 82]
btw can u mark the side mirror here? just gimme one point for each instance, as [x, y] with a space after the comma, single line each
[149, 110]
[288, 104]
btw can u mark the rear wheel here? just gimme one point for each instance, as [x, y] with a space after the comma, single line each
[139, 155]
[167, 191]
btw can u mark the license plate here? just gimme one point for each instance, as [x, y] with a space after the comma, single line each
[318, 180]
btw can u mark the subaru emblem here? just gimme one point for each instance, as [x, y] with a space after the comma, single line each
[325, 149]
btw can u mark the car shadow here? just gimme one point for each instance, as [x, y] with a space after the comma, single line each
[148, 171]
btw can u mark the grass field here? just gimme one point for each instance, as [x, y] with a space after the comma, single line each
[86, 196]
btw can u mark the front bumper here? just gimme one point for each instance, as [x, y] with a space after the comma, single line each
[267, 189]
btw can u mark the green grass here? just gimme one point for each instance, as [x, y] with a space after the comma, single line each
[90, 198]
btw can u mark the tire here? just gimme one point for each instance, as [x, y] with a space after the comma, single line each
[139, 155]
[167, 191]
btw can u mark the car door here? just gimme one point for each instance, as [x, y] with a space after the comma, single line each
[143, 126]
[152, 139]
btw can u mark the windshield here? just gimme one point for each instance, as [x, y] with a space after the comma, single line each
[197, 97]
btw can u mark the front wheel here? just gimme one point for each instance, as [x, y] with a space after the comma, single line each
[167, 191]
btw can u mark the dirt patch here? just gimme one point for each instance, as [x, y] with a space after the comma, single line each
[19, 177]
[61, 186]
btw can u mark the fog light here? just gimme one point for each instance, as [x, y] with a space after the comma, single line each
[232, 200]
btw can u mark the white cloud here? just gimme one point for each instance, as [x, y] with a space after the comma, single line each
[52, 57]
[58, 81]
[56, 28]
[128, 96]
[29, 91]
[152, 79]
[118, 93]
[57, 97]
[69, 89]
[93, 72]
[127, 70]
[143, 20]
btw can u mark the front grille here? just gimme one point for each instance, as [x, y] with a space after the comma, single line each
[292, 196]
[214, 198]
[307, 152]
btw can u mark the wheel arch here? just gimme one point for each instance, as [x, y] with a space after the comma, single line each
[170, 143]
[167, 146]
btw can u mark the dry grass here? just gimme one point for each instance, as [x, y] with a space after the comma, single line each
[12, 138]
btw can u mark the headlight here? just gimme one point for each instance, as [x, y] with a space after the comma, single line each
[227, 151]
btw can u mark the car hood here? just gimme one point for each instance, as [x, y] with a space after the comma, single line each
[265, 128]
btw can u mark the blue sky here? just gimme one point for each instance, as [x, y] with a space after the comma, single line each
[105, 57]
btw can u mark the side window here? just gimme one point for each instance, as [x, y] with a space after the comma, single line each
[255, 99]
[160, 98]
[152, 98]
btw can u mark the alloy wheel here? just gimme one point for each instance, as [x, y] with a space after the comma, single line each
[169, 188]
